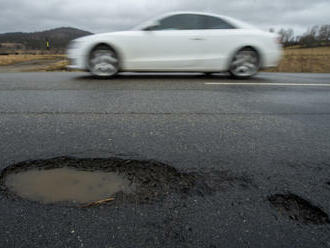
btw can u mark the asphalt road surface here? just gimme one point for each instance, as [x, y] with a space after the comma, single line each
[271, 133]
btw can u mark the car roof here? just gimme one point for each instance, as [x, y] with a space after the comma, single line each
[231, 20]
[235, 22]
[190, 12]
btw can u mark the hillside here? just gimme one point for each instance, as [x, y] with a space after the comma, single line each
[58, 38]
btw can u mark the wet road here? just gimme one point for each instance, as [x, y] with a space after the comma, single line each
[273, 130]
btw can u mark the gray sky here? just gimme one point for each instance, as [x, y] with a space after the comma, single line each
[108, 15]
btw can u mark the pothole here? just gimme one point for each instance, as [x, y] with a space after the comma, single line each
[299, 209]
[67, 184]
[68, 181]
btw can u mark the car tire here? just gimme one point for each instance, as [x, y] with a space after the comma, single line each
[103, 62]
[245, 63]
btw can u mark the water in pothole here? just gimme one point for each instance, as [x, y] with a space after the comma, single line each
[67, 184]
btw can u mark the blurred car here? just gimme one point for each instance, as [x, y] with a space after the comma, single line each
[179, 42]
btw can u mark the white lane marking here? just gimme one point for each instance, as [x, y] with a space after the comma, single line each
[270, 84]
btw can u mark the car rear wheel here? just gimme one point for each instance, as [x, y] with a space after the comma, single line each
[245, 63]
[103, 62]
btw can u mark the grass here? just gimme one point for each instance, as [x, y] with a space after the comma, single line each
[57, 66]
[14, 59]
[315, 60]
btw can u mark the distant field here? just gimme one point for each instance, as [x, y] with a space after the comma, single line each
[30, 62]
[294, 60]
[305, 60]
[14, 59]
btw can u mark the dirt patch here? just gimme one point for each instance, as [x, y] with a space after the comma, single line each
[152, 180]
[299, 209]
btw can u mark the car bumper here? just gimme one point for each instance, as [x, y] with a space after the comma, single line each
[272, 58]
[76, 59]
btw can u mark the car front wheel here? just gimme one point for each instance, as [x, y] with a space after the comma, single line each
[245, 63]
[103, 62]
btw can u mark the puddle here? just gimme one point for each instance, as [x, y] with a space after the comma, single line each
[66, 185]
[299, 209]
[84, 180]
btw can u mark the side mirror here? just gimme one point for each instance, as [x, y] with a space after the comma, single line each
[151, 25]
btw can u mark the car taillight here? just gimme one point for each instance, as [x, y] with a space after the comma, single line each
[278, 40]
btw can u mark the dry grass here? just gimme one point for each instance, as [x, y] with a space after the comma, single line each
[96, 203]
[305, 60]
[57, 66]
[14, 59]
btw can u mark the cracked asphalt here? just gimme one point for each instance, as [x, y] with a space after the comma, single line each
[273, 129]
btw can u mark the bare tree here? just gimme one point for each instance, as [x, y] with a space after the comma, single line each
[287, 36]
[314, 36]
[310, 38]
[324, 34]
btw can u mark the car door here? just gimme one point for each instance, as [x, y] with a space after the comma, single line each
[173, 45]
[220, 39]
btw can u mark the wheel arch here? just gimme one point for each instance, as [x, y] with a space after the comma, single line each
[114, 48]
[255, 48]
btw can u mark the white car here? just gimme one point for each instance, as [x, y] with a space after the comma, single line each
[179, 42]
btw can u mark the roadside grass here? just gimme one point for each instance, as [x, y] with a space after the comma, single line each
[14, 59]
[314, 60]
[57, 66]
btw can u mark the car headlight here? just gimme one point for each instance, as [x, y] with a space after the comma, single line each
[72, 45]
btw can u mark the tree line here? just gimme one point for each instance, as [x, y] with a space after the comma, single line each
[313, 37]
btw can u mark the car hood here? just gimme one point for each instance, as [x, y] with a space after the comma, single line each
[101, 36]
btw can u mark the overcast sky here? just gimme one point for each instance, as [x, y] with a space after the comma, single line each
[109, 15]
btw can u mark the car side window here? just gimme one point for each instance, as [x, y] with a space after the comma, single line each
[191, 22]
[178, 22]
[211, 22]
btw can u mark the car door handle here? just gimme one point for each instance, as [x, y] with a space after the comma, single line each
[197, 38]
